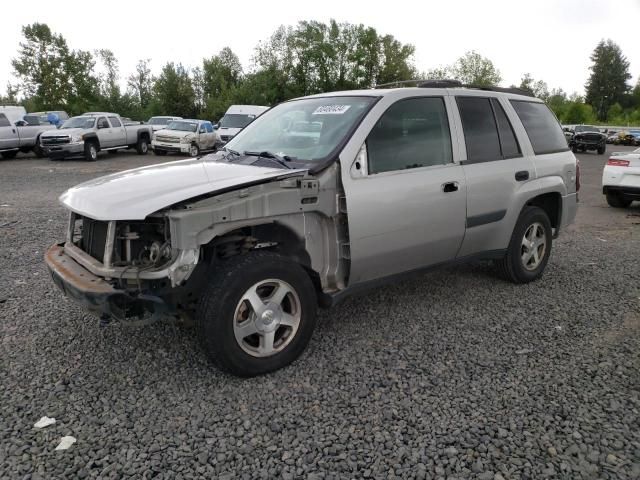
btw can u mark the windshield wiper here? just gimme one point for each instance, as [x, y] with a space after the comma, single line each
[271, 156]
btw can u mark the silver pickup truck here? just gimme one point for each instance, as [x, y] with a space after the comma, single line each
[21, 136]
[92, 132]
[316, 199]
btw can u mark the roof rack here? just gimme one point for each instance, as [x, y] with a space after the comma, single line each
[450, 83]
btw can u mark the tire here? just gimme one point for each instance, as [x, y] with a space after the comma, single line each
[37, 150]
[517, 268]
[142, 147]
[194, 150]
[9, 155]
[618, 200]
[574, 149]
[222, 303]
[160, 153]
[601, 150]
[90, 151]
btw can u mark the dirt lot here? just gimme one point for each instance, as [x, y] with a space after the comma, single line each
[455, 374]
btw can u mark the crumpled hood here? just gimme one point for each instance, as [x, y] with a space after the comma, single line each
[173, 133]
[134, 194]
[64, 131]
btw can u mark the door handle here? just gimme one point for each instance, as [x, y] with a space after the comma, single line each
[522, 175]
[13, 130]
[450, 187]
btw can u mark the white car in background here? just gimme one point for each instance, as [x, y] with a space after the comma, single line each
[621, 178]
[158, 123]
[236, 118]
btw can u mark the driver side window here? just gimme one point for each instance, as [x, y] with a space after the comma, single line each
[412, 133]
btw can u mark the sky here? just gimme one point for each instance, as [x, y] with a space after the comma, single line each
[551, 40]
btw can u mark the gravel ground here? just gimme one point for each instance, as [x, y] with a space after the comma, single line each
[455, 374]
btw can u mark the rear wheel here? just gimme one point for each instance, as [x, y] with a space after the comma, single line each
[9, 155]
[37, 150]
[529, 248]
[90, 151]
[257, 314]
[617, 200]
[142, 147]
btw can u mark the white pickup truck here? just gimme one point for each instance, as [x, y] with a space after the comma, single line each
[20, 136]
[92, 132]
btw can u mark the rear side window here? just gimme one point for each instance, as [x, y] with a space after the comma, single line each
[542, 127]
[4, 121]
[115, 122]
[412, 133]
[480, 131]
[508, 141]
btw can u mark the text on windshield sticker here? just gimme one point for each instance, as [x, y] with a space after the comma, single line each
[331, 110]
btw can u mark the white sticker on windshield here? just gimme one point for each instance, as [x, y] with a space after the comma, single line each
[331, 110]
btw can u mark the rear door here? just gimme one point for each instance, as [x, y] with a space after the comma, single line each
[495, 169]
[8, 134]
[406, 197]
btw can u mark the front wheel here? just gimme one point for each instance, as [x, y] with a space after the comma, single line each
[142, 147]
[601, 150]
[529, 248]
[90, 152]
[257, 314]
[617, 200]
[194, 150]
[37, 150]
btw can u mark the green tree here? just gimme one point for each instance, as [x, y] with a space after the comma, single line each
[538, 88]
[474, 69]
[607, 83]
[219, 77]
[174, 94]
[141, 83]
[579, 113]
[11, 97]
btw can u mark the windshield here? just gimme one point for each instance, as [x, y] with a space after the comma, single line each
[236, 120]
[183, 126]
[79, 122]
[586, 128]
[308, 129]
[159, 120]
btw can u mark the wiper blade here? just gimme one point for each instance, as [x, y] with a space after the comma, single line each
[271, 156]
[233, 152]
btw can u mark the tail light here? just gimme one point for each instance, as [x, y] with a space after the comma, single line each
[614, 162]
[577, 175]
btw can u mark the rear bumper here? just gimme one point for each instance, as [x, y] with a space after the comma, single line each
[93, 292]
[631, 192]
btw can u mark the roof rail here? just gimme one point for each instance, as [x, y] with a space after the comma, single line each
[450, 83]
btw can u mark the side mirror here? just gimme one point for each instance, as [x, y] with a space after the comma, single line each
[21, 123]
[203, 130]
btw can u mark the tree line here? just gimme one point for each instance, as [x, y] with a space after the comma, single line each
[311, 57]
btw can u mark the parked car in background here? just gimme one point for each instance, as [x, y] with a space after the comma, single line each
[55, 117]
[20, 136]
[250, 240]
[628, 138]
[621, 178]
[185, 136]
[158, 123]
[236, 118]
[92, 132]
[611, 136]
[588, 137]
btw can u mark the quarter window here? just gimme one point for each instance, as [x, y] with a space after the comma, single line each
[541, 126]
[508, 141]
[412, 133]
[480, 131]
[115, 122]
[4, 121]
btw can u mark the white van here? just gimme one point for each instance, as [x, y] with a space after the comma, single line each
[13, 113]
[236, 118]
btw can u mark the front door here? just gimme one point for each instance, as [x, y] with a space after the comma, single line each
[8, 133]
[406, 202]
[104, 133]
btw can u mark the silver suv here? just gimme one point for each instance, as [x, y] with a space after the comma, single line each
[316, 199]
